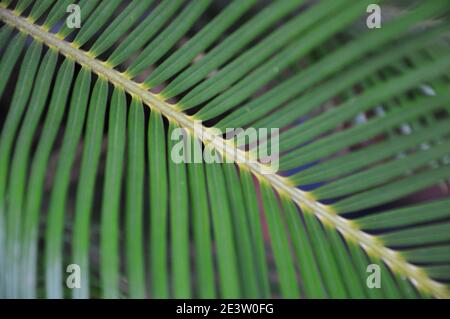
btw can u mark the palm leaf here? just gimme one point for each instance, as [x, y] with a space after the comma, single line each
[87, 177]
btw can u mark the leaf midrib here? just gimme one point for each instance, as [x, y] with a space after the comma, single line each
[349, 229]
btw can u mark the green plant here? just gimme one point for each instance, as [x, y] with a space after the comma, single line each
[86, 175]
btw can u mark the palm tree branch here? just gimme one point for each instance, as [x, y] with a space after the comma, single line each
[373, 245]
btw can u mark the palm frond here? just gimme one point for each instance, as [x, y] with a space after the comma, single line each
[87, 178]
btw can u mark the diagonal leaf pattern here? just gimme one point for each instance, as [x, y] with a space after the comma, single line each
[87, 175]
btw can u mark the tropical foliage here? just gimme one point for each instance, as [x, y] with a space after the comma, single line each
[86, 175]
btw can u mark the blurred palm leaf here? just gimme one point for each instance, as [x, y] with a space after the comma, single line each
[86, 175]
